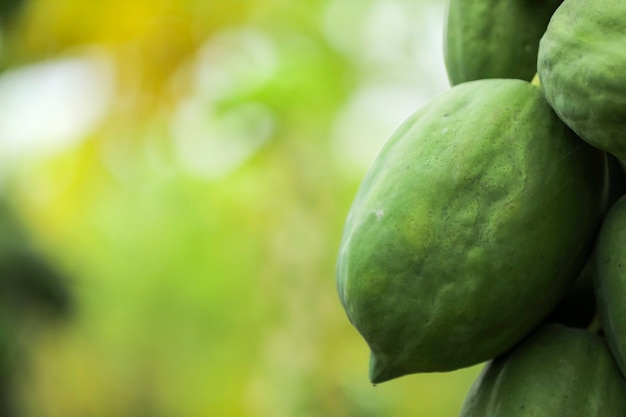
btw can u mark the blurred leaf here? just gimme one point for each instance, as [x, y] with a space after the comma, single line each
[28, 281]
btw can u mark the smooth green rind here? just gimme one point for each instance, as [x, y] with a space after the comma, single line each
[468, 228]
[610, 279]
[557, 371]
[581, 64]
[494, 38]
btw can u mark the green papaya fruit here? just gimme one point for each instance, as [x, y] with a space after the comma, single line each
[609, 258]
[556, 372]
[466, 231]
[494, 38]
[581, 63]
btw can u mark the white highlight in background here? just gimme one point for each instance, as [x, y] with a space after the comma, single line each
[49, 106]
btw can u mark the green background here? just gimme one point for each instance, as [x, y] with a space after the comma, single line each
[188, 165]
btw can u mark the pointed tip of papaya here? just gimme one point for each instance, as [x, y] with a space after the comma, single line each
[381, 370]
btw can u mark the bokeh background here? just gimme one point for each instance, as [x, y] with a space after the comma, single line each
[186, 167]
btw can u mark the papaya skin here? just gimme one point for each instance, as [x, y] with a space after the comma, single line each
[581, 63]
[494, 38]
[557, 371]
[460, 239]
[610, 279]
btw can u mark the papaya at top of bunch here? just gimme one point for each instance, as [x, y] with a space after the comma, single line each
[467, 230]
[556, 371]
[581, 64]
[494, 38]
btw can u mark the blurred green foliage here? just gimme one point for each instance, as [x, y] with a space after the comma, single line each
[199, 217]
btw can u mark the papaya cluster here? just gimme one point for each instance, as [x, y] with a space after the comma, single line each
[491, 228]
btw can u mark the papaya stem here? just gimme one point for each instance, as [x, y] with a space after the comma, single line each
[535, 81]
[595, 326]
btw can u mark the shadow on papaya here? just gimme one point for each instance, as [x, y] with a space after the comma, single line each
[579, 306]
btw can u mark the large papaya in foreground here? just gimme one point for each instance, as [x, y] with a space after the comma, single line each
[465, 233]
[581, 63]
[609, 260]
[558, 371]
[494, 38]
